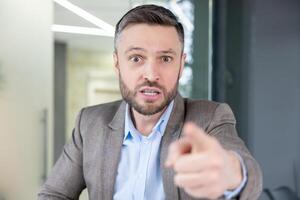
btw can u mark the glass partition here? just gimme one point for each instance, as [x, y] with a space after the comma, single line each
[90, 78]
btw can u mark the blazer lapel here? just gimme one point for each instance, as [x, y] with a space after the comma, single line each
[111, 150]
[171, 134]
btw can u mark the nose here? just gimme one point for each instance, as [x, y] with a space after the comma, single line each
[151, 72]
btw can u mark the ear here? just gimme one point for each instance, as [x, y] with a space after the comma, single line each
[116, 64]
[182, 62]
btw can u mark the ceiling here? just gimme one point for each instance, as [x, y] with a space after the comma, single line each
[109, 11]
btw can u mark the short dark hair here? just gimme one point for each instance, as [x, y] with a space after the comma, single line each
[152, 15]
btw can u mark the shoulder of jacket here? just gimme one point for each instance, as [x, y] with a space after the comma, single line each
[200, 112]
[103, 112]
[114, 105]
[204, 106]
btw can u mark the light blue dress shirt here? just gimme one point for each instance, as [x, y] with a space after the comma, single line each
[139, 173]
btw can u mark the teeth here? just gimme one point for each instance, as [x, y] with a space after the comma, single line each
[150, 92]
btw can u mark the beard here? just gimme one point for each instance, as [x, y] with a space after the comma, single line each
[149, 108]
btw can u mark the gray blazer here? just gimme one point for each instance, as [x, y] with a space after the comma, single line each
[90, 160]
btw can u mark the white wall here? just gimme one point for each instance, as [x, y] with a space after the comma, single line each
[26, 47]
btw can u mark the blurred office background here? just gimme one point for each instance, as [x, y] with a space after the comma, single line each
[56, 57]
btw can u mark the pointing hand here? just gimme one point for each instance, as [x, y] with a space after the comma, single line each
[204, 169]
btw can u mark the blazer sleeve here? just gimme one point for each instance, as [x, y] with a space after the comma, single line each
[66, 180]
[222, 126]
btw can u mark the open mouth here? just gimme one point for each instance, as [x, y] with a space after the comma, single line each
[150, 91]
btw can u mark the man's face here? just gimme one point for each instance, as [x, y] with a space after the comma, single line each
[149, 62]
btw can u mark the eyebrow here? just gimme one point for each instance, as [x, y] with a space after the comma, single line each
[169, 51]
[135, 49]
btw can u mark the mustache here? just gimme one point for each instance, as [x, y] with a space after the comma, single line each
[150, 84]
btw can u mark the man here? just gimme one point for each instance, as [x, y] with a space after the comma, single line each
[154, 144]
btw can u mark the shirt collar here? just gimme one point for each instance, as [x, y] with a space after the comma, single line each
[160, 126]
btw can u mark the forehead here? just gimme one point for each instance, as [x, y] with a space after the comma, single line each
[149, 37]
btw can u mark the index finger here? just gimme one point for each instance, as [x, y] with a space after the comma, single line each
[199, 139]
[176, 149]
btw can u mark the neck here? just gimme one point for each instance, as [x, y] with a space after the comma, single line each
[145, 123]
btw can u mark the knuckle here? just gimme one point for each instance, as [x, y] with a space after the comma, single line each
[217, 163]
[177, 166]
[214, 177]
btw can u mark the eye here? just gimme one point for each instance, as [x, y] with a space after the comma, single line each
[135, 59]
[166, 59]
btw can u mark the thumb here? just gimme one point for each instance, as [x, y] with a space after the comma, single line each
[199, 140]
